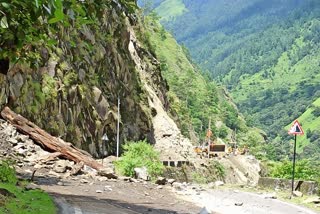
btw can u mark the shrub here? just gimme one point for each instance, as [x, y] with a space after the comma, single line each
[316, 111]
[7, 172]
[139, 154]
[304, 169]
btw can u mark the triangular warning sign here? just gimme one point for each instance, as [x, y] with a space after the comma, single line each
[296, 129]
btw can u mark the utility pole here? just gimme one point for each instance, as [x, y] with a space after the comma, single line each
[118, 126]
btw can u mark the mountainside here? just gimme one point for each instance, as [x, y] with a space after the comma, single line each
[68, 71]
[265, 52]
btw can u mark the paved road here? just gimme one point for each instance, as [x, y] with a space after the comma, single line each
[88, 205]
[223, 201]
[72, 204]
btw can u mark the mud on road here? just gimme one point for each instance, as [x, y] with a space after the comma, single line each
[112, 197]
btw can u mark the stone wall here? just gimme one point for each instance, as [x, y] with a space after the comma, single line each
[306, 187]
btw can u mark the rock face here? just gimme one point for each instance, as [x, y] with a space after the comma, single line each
[167, 137]
[74, 94]
[242, 169]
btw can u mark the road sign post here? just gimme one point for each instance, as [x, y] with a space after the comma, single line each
[104, 141]
[294, 162]
[295, 130]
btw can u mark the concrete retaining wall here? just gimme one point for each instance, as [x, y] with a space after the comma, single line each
[306, 187]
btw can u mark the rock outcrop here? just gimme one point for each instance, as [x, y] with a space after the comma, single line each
[74, 93]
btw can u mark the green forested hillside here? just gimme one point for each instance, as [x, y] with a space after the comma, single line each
[265, 52]
[195, 98]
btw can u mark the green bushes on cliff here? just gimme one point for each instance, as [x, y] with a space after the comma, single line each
[139, 154]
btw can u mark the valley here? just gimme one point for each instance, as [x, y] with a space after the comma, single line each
[264, 52]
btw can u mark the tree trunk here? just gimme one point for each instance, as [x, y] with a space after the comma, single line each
[48, 141]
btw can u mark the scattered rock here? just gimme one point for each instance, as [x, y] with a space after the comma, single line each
[54, 174]
[218, 183]
[177, 186]
[211, 185]
[161, 181]
[238, 203]
[160, 187]
[28, 171]
[60, 183]
[61, 166]
[142, 173]
[38, 166]
[101, 178]
[60, 169]
[32, 186]
[107, 188]
[297, 194]
[171, 181]
[22, 138]
[124, 178]
[88, 170]
[108, 172]
[133, 180]
[76, 168]
[13, 141]
[99, 191]
[271, 195]
[109, 160]
[84, 181]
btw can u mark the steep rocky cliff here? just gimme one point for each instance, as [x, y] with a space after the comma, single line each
[72, 89]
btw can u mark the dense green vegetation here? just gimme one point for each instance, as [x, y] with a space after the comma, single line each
[265, 52]
[19, 200]
[304, 169]
[139, 154]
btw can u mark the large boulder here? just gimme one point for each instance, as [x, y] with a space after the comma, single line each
[142, 173]
[108, 172]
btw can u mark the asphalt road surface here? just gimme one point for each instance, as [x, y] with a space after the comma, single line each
[230, 202]
[71, 204]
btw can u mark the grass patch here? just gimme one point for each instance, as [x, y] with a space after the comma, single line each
[21, 201]
[170, 9]
[32, 201]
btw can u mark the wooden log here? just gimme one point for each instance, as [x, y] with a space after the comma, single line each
[47, 141]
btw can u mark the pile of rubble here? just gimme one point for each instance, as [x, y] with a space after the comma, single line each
[34, 162]
[31, 160]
